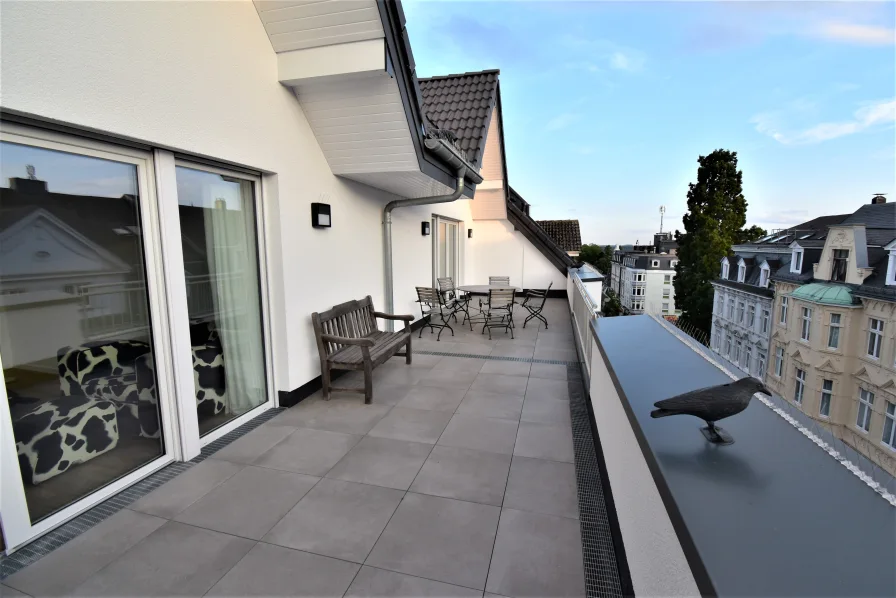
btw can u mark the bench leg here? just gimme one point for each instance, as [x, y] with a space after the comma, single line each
[325, 380]
[368, 383]
[407, 349]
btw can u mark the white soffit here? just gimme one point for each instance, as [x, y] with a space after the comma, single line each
[298, 24]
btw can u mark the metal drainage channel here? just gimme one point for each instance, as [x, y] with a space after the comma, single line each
[31, 552]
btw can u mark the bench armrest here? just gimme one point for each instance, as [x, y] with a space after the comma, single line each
[341, 340]
[380, 314]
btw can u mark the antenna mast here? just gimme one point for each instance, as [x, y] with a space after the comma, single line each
[662, 212]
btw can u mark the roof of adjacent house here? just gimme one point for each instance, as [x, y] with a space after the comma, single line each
[825, 293]
[879, 215]
[463, 104]
[564, 232]
[518, 215]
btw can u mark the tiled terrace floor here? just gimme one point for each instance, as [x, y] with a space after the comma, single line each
[457, 481]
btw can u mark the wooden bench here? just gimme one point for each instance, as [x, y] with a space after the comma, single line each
[348, 339]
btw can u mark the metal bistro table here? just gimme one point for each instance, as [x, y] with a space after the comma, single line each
[483, 289]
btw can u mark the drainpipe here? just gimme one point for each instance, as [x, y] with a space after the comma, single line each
[452, 157]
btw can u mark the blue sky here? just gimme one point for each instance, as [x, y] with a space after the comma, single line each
[607, 105]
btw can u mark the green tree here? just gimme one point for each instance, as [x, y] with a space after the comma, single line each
[597, 256]
[750, 234]
[612, 306]
[717, 211]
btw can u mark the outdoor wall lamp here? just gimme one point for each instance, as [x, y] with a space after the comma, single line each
[320, 215]
[424, 228]
[469, 233]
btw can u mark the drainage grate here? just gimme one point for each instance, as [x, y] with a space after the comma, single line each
[498, 357]
[601, 567]
[49, 542]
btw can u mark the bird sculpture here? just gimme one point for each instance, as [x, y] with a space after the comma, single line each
[712, 404]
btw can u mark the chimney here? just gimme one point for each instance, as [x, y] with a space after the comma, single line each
[878, 198]
[30, 186]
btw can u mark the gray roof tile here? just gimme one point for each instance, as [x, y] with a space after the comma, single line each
[564, 232]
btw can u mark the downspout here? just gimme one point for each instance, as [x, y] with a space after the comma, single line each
[448, 154]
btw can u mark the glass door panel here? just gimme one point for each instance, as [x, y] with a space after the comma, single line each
[75, 336]
[218, 233]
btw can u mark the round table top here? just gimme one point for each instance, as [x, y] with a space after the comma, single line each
[483, 289]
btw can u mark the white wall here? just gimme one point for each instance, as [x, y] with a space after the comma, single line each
[502, 251]
[653, 300]
[201, 77]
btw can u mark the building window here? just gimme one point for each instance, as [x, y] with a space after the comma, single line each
[665, 308]
[866, 401]
[673, 263]
[765, 318]
[737, 347]
[741, 273]
[827, 389]
[760, 363]
[875, 335]
[838, 271]
[727, 345]
[763, 277]
[779, 361]
[740, 312]
[784, 301]
[800, 385]
[796, 263]
[725, 269]
[730, 308]
[751, 316]
[638, 291]
[748, 358]
[715, 340]
[654, 263]
[891, 268]
[834, 332]
[639, 277]
[889, 437]
[806, 327]
[637, 305]
[666, 293]
[667, 279]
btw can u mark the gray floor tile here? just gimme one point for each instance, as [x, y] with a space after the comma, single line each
[433, 398]
[542, 486]
[257, 442]
[481, 403]
[537, 555]
[480, 433]
[506, 368]
[275, 571]
[460, 364]
[515, 385]
[249, 503]
[399, 376]
[176, 495]
[414, 425]
[464, 474]
[522, 337]
[556, 354]
[418, 360]
[382, 462]
[337, 519]
[313, 452]
[449, 378]
[478, 347]
[429, 343]
[379, 583]
[511, 351]
[549, 371]
[547, 389]
[176, 560]
[384, 394]
[70, 565]
[545, 410]
[438, 538]
[544, 441]
[8, 592]
[344, 412]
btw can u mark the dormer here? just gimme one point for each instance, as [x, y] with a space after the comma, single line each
[845, 255]
[741, 270]
[891, 263]
[725, 268]
[796, 259]
[765, 272]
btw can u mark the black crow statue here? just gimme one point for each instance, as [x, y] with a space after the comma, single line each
[712, 404]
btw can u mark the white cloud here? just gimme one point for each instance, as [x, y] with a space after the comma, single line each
[867, 35]
[561, 121]
[870, 115]
[626, 61]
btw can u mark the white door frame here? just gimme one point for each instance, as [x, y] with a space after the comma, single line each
[436, 220]
[17, 526]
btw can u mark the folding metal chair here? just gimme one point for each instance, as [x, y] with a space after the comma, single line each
[432, 304]
[495, 280]
[449, 291]
[534, 304]
[499, 307]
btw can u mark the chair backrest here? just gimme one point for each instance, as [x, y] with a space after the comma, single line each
[446, 284]
[352, 319]
[498, 298]
[427, 296]
[499, 280]
[537, 298]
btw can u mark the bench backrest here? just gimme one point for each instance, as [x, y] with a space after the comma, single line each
[352, 319]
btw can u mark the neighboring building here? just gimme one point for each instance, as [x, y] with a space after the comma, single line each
[833, 342]
[642, 277]
[565, 233]
[744, 293]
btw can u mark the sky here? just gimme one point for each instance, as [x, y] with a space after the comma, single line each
[608, 105]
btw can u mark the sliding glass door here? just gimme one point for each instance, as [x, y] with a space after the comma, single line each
[221, 257]
[445, 248]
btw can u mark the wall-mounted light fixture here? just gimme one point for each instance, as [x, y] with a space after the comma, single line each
[320, 215]
[424, 228]
[469, 233]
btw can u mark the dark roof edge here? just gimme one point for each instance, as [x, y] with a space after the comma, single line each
[875, 292]
[455, 75]
[398, 48]
[741, 286]
[536, 235]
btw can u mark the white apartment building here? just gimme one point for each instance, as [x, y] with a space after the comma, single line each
[643, 278]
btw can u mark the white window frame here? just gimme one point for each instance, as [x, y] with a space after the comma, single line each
[741, 309]
[738, 345]
[766, 316]
[779, 361]
[827, 395]
[748, 357]
[760, 363]
[796, 261]
[673, 263]
[764, 273]
[888, 437]
[785, 301]
[865, 409]
[832, 327]
[731, 308]
[891, 265]
[875, 338]
[751, 316]
[667, 279]
[741, 272]
[665, 308]
[799, 385]
[654, 263]
[727, 345]
[806, 324]
[725, 268]
[667, 293]
[457, 262]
